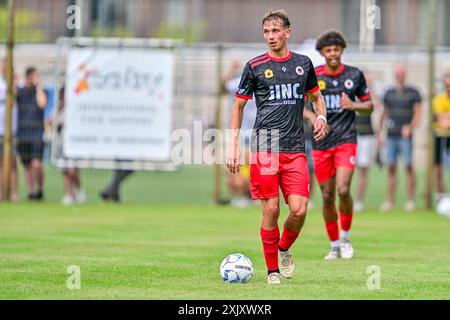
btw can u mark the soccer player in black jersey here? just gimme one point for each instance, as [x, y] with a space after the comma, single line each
[335, 156]
[279, 80]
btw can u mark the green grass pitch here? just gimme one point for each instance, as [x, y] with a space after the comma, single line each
[174, 251]
[157, 245]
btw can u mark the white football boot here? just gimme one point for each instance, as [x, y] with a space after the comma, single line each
[287, 267]
[333, 254]
[346, 249]
[274, 278]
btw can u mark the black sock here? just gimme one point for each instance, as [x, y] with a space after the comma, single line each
[272, 271]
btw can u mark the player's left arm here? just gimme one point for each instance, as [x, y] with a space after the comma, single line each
[320, 109]
[312, 90]
[366, 105]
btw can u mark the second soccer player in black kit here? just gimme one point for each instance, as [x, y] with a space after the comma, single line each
[335, 156]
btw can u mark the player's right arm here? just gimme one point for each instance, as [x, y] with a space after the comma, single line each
[233, 154]
[244, 93]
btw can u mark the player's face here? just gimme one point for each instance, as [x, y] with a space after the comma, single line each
[276, 35]
[400, 74]
[332, 55]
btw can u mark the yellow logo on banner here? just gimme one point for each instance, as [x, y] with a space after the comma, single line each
[322, 85]
[268, 73]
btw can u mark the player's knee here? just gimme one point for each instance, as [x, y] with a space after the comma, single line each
[299, 211]
[273, 210]
[343, 191]
[328, 198]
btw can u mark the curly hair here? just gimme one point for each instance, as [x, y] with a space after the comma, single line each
[279, 15]
[331, 38]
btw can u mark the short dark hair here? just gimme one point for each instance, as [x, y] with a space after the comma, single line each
[277, 14]
[29, 71]
[331, 38]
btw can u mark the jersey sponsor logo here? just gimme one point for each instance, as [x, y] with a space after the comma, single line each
[268, 73]
[333, 102]
[285, 91]
[300, 71]
[348, 84]
[322, 84]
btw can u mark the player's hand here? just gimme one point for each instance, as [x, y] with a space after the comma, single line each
[346, 102]
[406, 131]
[320, 129]
[233, 159]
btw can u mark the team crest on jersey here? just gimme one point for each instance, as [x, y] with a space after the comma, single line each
[322, 84]
[348, 84]
[268, 73]
[300, 71]
[335, 83]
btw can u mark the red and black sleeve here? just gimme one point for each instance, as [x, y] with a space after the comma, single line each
[311, 81]
[362, 90]
[247, 85]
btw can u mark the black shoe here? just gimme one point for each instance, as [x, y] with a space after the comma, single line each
[38, 196]
[109, 197]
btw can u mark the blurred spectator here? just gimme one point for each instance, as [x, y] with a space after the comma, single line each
[309, 117]
[239, 184]
[73, 193]
[366, 150]
[31, 101]
[14, 195]
[441, 109]
[112, 191]
[402, 109]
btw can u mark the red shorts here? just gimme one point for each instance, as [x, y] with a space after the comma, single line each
[326, 161]
[270, 171]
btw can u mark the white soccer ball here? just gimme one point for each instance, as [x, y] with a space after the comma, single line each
[236, 268]
[443, 206]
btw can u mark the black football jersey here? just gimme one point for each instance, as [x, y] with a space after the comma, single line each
[341, 122]
[279, 87]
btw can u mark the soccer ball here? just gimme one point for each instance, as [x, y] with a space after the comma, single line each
[236, 268]
[443, 206]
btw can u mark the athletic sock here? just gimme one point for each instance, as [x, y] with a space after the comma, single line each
[272, 271]
[334, 244]
[287, 239]
[270, 240]
[346, 221]
[345, 234]
[332, 230]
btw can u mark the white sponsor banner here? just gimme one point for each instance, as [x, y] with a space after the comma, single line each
[118, 104]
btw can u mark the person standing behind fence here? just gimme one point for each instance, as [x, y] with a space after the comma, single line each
[14, 195]
[73, 193]
[441, 109]
[402, 109]
[31, 101]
